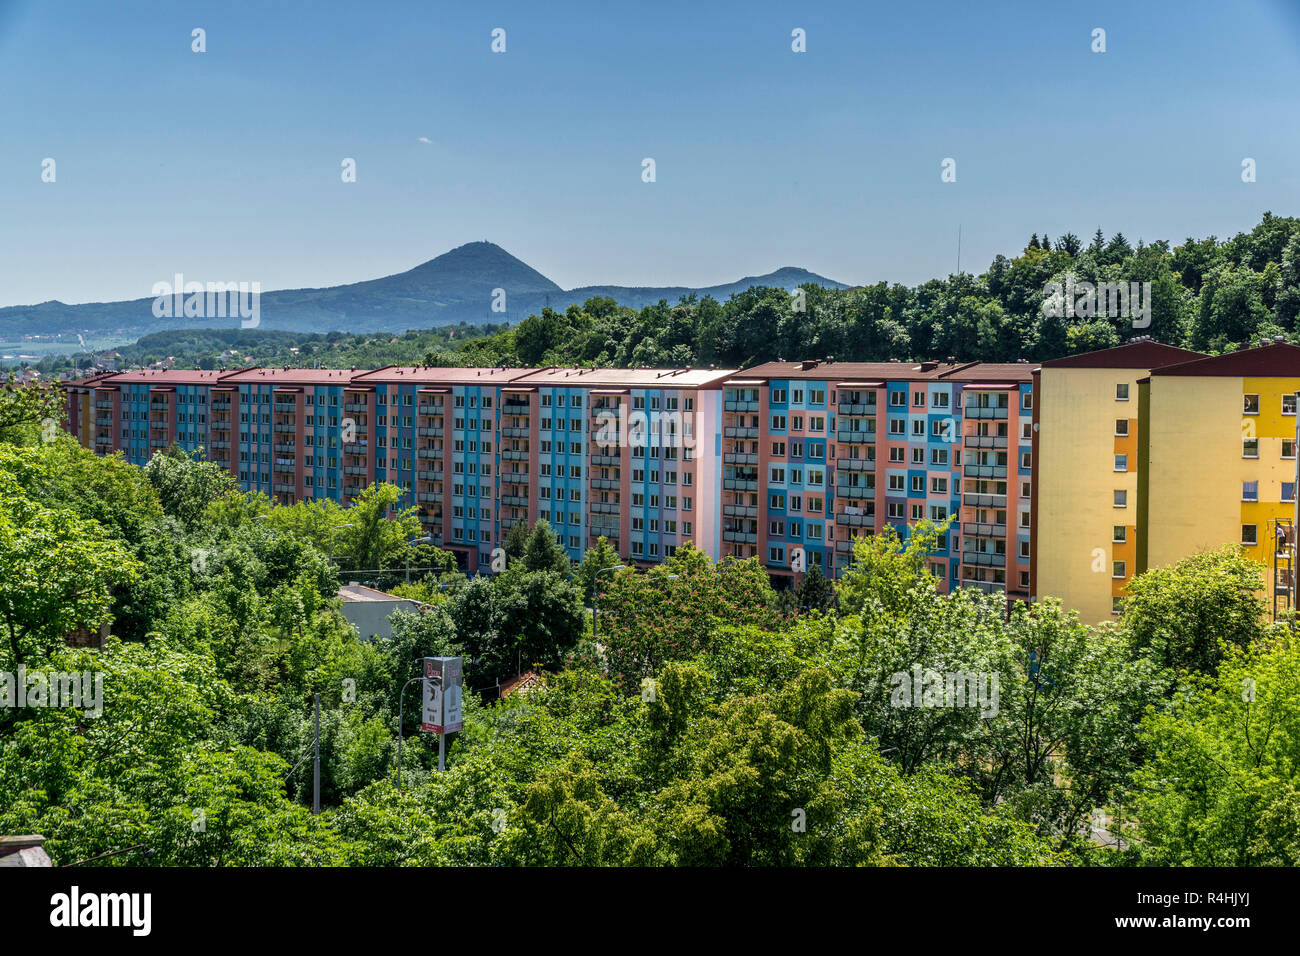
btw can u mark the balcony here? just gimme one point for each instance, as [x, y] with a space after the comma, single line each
[739, 432]
[103, 422]
[980, 500]
[428, 497]
[158, 443]
[858, 492]
[429, 408]
[857, 408]
[426, 453]
[513, 454]
[220, 404]
[739, 458]
[352, 490]
[988, 587]
[740, 511]
[855, 464]
[849, 436]
[104, 405]
[605, 507]
[983, 411]
[429, 475]
[284, 467]
[355, 406]
[361, 470]
[511, 432]
[218, 444]
[515, 408]
[736, 405]
[985, 441]
[984, 471]
[286, 429]
[283, 489]
[285, 408]
[103, 439]
[514, 501]
[740, 537]
[606, 484]
[607, 460]
[284, 448]
[855, 521]
[984, 558]
[740, 484]
[429, 431]
[981, 529]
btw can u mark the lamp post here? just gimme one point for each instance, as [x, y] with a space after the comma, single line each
[425, 539]
[333, 531]
[595, 594]
[401, 694]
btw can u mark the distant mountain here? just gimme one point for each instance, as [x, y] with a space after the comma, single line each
[457, 286]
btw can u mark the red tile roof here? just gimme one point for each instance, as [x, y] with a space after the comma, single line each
[1268, 360]
[1147, 355]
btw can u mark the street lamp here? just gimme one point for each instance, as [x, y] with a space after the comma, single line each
[595, 593]
[424, 539]
[333, 532]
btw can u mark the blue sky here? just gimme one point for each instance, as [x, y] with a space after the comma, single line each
[225, 165]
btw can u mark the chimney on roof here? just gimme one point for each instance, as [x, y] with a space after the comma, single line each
[805, 366]
[929, 366]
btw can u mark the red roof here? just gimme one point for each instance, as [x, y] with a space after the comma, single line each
[1267, 360]
[1147, 355]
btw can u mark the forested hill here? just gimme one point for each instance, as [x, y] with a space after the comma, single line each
[478, 282]
[1206, 294]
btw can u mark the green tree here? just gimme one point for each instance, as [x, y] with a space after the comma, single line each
[1183, 616]
[595, 561]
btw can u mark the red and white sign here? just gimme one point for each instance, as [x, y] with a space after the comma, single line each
[442, 695]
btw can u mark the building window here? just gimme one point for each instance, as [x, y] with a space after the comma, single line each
[1121, 427]
[1250, 448]
[1249, 535]
[1288, 447]
[1116, 604]
[1121, 498]
[1117, 569]
[1288, 491]
[1121, 392]
[1119, 535]
[1288, 404]
[1250, 405]
[1121, 462]
[1250, 491]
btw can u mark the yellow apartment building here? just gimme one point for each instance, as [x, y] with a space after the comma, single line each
[1085, 539]
[1217, 458]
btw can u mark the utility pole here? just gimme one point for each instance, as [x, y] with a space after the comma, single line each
[315, 772]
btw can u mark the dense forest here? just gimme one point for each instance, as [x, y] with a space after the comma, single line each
[711, 720]
[1209, 295]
